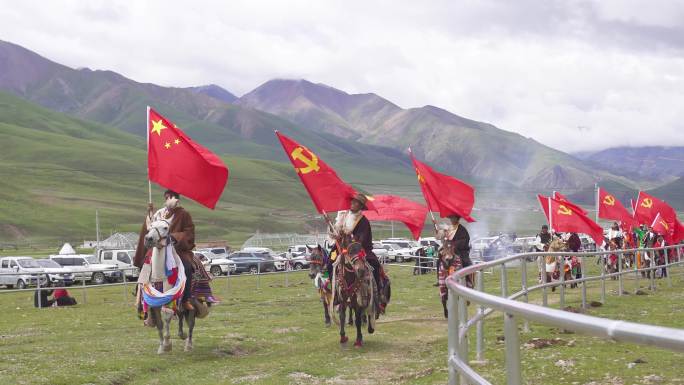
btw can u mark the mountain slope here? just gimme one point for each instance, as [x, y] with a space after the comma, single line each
[673, 193]
[467, 148]
[655, 163]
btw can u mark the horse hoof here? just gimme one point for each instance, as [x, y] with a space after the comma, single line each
[358, 344]
[161, 349]
[371, 330]
[344, 339]
[182, 336]
[188, 348]
[327, 324]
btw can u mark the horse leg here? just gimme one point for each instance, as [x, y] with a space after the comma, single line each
[351, 318]
[181, 334]
[359, 336]
[190, 316]
[343, 319]
[155, 313]
[167, 316]
[326, 314]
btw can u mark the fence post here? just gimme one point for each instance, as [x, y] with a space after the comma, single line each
[512, 340]
[479, 327]
[452, 335]
[287, 271]
[40, 300]
[562, 280]
[523, 279]
[123, 273]
[542, 272]
[258, 275]
[666, 269]
[620, 287]
[584, 283]
[463, 319]
[652, 272]
[504, 281]
[84, 290]
[637, 263]
[602, 265]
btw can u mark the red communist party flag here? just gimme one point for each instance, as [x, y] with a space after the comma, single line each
[562, 198]
[662, 227]
[647, 207]
[176, 162]
[327, 191]
[394, 208]
[678, 233]
[565, 218]
[443, 193]
[611, 208]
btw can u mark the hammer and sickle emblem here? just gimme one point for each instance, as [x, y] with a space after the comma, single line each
[662, 222]
[564, 210]
[311, 163]
[609, 200]
[420, 177]
[647, 202]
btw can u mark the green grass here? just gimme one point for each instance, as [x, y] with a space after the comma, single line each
[266, 333]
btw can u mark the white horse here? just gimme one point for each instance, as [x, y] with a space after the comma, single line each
[163, 261]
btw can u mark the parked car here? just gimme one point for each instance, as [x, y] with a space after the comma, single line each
[87, 268]
[216, 265]
[430, 241]
[60, 276]
[278, 261]
[21, 272]
[216, 252]
[122, 259]
[396, 253]
[523, 245]
[299, 250]
[296, 261]
[253, 262]
[380, 252]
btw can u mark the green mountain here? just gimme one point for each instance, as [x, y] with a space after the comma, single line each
[672, 193]
[57, 170]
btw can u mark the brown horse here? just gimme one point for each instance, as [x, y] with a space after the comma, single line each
[448, 262]
[319, 259]
[354, 288]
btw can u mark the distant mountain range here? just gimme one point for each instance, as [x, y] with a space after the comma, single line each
[363, 135]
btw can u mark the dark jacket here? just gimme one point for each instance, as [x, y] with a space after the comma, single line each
[461, 241]
[182, 231]
[362, 233]
[574, 242]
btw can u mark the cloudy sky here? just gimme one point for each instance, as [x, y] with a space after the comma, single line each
[575, 75]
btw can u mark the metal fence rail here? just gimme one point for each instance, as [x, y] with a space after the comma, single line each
[459, 324]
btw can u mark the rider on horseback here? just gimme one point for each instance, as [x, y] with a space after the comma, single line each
[354, 224]
[182, 231]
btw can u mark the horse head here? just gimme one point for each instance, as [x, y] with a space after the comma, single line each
[318, 259]
[157, 233]
[356, 259]
[558, 245]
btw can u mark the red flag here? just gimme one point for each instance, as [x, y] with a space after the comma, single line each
[647, 207]
[562, 198]
[678, 233]
[444, 193]
[544, 203]
[394, 208]
[176, 162]
[609, 207]
[566, 218]
[661, 226]
[327, 191]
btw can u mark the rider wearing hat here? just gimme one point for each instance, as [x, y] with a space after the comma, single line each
[355, 224]
[461, 239]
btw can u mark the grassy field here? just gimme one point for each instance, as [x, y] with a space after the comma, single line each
[269, 330]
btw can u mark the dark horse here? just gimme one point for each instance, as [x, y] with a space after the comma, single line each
[318, 263]
[449, 262]
[354, 288]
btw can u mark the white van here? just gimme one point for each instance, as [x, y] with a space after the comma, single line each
[21, 272]
[122, 259]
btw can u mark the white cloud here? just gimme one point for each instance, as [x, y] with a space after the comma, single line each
[575, 75]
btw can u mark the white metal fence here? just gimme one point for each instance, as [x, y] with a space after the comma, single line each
[513, 310]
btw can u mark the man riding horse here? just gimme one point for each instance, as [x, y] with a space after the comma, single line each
[354, 226]
[182, 232]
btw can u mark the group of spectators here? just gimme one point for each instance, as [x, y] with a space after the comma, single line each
[60, 296]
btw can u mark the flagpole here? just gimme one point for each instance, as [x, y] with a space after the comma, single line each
[432, 215]
[147, 131]
[596, 201]
[550, 218]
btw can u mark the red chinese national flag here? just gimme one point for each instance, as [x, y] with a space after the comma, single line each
[394, 208]
[562, 198]
[443, 193]
[609, 207]
[327, 191]
[565, 218]
[176, 162]
[647, 207]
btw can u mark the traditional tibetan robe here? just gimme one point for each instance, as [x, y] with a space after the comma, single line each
[182, 230]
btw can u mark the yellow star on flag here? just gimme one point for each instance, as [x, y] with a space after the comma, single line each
[167, 145]
[157, 127]
[177, 141]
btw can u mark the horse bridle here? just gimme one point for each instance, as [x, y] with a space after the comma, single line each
[159, 234]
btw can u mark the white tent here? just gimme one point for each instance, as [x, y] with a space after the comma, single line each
[67, 249]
